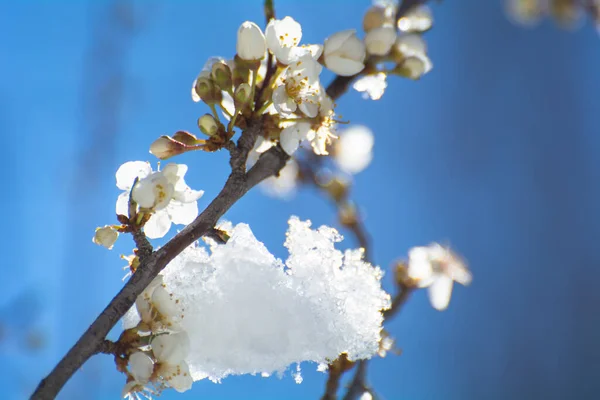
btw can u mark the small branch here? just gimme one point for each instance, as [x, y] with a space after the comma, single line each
[269, 10]
[109, 347]
[143, 245]
[358, 385]
[398, 301]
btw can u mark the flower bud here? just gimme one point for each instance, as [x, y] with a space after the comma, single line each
[379, 41]
[221, 74]
[418, 19]
[165, 147]
[251, 44]
[414, 67]
[105, 236]
[207, 91]
[242, 96]
[344, 53]
[375, 17]
[208, 125]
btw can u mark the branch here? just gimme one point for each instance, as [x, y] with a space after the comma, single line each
[237, 185]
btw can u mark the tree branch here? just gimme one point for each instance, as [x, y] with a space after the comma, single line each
[237, 185]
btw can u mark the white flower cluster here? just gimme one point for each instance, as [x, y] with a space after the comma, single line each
[164, 194]
[246, 312]
[437, 268]
[159, 362]
[400, 43]
[567, 13]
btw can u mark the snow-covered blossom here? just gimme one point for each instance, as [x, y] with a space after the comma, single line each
[417, 19]
[247, 312]
[344, 53]
[176, 376]
[251, 44]
[162, 193]
[437, 267]
[354, 149]
[171, 349]
[371, 86]
[379, 41]
[299, 87]
[283, 38]
[105, 236]
[284, 185]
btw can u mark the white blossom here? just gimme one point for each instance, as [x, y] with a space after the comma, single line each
[344, 53]
[176, 376]
[437, 267]
[284, 185]
[283, 38]
[418, 19]
[371, 86]
[171, 348]
[251, 44]
[246, 312]
[292, 135]
[105, 236]
[163, 193]
[299, 88]
[354, 149]
[379, 41]
[140, 367]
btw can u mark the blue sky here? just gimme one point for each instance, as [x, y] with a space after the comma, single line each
[495, 151]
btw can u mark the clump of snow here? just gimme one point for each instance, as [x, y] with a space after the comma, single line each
[246, 312]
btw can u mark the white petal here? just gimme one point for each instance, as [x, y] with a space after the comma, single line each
[440, 291]
[182, 213]
[127, 173]
[334, 42]
[343, 66]
[282, 102]
[177, 376]
[185, 194]
[372, 86]
[165, 304]
[353, 149]
[289, 140]
[228, 105]
[379, 41]
[122, 207]
[309, 109]
[140, 366]
[158, 225]
[172, 348]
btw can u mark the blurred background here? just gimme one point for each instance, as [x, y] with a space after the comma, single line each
[494, 152]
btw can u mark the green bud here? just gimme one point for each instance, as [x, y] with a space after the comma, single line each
[221, 74]
[208, 125]
[207, 90]
[242, 96]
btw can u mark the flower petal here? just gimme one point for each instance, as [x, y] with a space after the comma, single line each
[127, 173]
[122, 207]
[282, 102]
[158, 225]
[440, 291]
[182, 213]
[343, 66]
